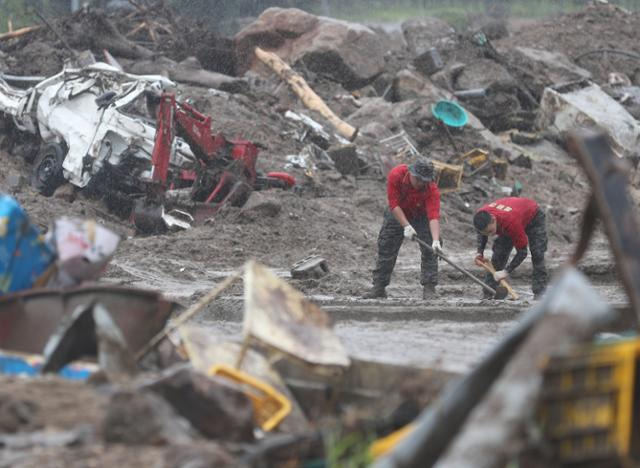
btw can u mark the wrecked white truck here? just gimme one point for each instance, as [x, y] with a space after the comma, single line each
[126, 138]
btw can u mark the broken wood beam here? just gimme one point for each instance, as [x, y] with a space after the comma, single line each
[305, 93]
[18, 32]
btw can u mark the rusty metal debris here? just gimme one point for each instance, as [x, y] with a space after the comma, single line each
[281, 317]
[29, 318]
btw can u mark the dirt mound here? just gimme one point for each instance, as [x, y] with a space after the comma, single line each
[139, 34]
[597, 26]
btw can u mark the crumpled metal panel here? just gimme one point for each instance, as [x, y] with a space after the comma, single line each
[28, 318]
[282, 317]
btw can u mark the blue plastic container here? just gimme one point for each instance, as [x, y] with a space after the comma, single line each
[451, 113]
[24, 255]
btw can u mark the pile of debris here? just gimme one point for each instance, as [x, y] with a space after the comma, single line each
[170, 126]
[148, 383]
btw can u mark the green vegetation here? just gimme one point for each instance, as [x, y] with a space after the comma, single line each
[20, 13]
[348, 450]
[455, 12]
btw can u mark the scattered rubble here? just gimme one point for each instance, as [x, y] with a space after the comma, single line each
[380, 90]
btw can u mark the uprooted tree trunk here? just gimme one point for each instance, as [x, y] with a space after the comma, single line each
[305, 93]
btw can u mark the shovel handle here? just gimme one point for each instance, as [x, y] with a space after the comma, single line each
[489, 267]
[459, 268]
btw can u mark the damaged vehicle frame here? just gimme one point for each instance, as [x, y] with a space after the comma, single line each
[100, 129]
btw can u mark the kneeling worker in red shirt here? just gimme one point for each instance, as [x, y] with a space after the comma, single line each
[414, 210]
[518, 222]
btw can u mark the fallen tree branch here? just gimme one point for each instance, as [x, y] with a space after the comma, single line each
[18, 32]
[305, 93]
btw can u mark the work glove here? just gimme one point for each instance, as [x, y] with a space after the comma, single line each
[436, 246]
[500, 275]
[409, 232]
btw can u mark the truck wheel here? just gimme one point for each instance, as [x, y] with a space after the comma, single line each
[47, 169]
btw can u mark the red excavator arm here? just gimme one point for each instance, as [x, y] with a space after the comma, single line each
[225, 169]
[211, 150]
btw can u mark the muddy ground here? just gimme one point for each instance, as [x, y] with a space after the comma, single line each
[338, 217]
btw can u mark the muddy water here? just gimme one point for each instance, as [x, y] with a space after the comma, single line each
[451, 346]
[452, 333]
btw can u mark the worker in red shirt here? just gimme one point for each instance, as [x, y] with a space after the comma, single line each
[519, 223]
[414, 210]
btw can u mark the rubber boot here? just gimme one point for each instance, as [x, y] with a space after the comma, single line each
[376, 292]
[429, 291]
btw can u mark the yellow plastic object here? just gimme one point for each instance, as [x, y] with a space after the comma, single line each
[270, 407]
[385, 444]
[448, 176]
[586, 406]
[475, 158]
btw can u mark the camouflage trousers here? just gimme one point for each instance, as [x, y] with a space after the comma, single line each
[537, 233]
[389, 241]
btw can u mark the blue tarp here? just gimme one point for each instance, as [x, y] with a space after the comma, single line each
[24, 255]
[11, 364]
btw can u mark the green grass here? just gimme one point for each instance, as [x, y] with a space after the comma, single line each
[454, 12]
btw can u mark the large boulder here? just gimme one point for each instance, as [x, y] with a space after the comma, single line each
[411, 85]
[482, 73]
[350, 53]
[422, 34]
[548, 67]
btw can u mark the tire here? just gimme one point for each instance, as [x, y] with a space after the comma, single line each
[47, 173]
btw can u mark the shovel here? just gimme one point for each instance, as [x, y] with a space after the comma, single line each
[489, 267]
[501, 293]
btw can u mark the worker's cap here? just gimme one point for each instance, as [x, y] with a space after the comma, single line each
[422, 169]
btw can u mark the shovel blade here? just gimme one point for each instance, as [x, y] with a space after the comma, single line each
[501, 292]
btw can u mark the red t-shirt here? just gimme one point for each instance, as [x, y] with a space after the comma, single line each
[413, 202]
[513, 215]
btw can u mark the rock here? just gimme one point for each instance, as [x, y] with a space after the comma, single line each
[390, 37]
[186, 456]
[345, 158]
[143, 418]
[429, 62]
[189, 71]
[374, 130]
[65, 192]
[424, 33]
[482, 73]
[411, 85]
[349, 53]
[383, 85]
[377, 110]
[212, 405]
[522, 160]
[15, 181]
[549, 67]
[525, 138]
[15, 414]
